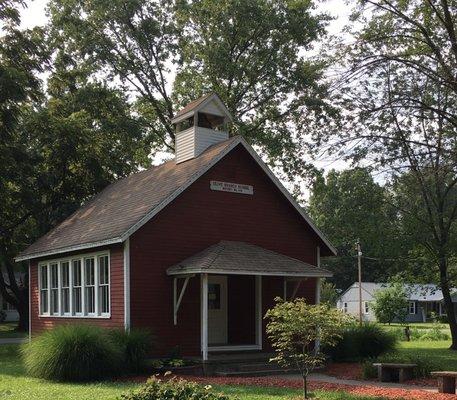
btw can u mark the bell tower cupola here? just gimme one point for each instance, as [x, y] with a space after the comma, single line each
[199, 125]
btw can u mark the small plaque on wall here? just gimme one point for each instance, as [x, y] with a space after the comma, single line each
[231, 187]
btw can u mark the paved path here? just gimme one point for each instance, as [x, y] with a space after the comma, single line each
[331, 379]
[13, 340]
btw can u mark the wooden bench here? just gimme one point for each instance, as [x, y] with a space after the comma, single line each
[391, 372]
[446, 381]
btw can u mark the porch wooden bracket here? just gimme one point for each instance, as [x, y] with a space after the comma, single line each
[177, 299]
[295, 290]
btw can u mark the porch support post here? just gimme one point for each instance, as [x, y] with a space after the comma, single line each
[285, 289]
[204, 321]
[317, 301]
[318, 290]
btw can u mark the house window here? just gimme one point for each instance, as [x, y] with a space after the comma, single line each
[366, 307]
[345, 307]
[65, 293]
[44, 289]
[77, 287]
[89, 284]
[103, 284]
[412, 307]
[54, 288]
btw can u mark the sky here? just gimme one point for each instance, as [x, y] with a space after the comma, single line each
[35, 14]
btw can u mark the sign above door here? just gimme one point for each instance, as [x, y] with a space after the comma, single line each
[231, 187]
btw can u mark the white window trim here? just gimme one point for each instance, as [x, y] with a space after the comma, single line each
[83, 314]
[345, 307]
[413, 303]
[40, 266]
[366, 307]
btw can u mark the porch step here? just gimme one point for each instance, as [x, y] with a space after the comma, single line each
[263, 372]
[258, 367]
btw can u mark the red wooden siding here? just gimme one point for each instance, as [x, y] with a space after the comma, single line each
[116, 319]
[197, 219]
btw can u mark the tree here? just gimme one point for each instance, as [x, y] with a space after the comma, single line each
[58, 151]
[22, 58]
[391, 303]
[252, 53]
[329, 293]
[349, 206]
[398, 102]
[296, 327]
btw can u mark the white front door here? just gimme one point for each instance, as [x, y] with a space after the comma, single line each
[217, 310]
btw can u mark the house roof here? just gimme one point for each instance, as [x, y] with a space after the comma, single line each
[416, 292]
[127, 204]
[240, 258]
[198, 104]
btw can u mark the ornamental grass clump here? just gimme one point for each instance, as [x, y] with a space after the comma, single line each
[72, 353]
[135, 346]
[173, 389]
[295, 328]
[361, 342]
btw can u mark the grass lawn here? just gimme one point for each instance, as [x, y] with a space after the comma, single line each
[15, 385]
[437, 352]
[7, 330]
[262, 393]
[419, 325]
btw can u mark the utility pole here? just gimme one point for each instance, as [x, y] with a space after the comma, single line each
[359, 261]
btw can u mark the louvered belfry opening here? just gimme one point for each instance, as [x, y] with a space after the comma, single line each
[199, 125]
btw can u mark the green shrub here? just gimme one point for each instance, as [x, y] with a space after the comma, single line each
[361, 342]
[71, 353]
[174, 389]
[134, 345]
[434, 334]
[368, 370]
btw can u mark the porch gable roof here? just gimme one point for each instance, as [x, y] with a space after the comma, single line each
[240, 258]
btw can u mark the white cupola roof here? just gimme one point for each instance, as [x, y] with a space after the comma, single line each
[199, 125]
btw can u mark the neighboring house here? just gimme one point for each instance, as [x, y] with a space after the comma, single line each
[11, 314]
[423, 301]
[195, 249]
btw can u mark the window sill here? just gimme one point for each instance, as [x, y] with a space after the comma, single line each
[75, 316]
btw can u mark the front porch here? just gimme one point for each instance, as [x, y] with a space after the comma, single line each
[238, 283]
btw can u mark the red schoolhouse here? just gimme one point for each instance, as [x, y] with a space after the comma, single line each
[195, 249]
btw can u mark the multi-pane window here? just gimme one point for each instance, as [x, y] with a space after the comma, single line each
[44, 289]
[54, 288]
[412, 307]
[103, 284]
[75, 287]
[89, 284]
[65, 292]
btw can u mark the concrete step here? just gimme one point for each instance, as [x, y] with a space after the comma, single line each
[258, 367]
[263, 372]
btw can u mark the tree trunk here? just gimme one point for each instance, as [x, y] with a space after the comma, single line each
[23, 310]
[305, 386]
[448, 304]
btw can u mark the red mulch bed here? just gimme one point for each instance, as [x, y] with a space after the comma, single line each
[354, 371]
[390, 393]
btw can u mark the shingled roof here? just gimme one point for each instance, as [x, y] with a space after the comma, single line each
[124, 206]
[193, 104]
[113, 213]
[228, 257]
